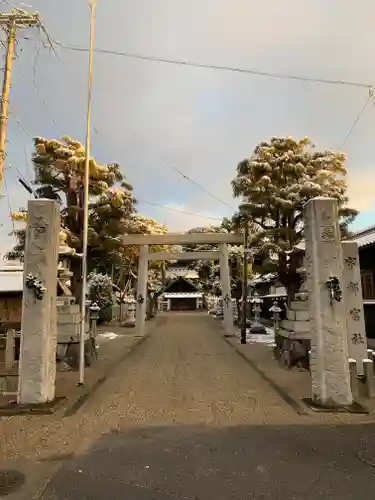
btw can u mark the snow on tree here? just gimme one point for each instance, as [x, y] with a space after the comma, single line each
[274, 184]
[101, 291]
[59, 174]
[209, 271]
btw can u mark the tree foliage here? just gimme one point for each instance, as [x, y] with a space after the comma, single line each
[274, 184]
[59, 175]
[209, 271]
[101, 293]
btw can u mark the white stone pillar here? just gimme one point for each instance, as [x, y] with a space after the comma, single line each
[329, 350]
[355, 318]
[140, 317]
[168, 304]
[37, 373]
[225, 285]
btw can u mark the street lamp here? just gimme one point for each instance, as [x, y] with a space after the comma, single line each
[92, 5]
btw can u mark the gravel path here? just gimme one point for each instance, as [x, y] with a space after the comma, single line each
[186, 418]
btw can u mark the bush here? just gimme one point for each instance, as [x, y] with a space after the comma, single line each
[100, 291]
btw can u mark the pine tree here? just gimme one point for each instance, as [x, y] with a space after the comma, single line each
[274, 184]
[59, 175]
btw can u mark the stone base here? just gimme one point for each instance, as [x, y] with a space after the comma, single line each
[296, 326]
[128, 324]
[72, 354]
[12, 408]
[353, 408]
[258, 330]
[292, 352]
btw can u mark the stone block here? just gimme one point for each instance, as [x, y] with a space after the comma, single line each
[291, 314]
[70, 329]
[289, 334]
[68, 318]
[296, 326]
[67, 337]
[302, 315]
[299, 305]
[69, 309]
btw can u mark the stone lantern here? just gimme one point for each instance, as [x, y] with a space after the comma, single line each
[257, 327]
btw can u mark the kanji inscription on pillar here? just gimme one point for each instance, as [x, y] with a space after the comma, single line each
[355, 320]
[329, 359]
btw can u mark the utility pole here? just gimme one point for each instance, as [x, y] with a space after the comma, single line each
[92, 5]
[244, 292]
[17, 19]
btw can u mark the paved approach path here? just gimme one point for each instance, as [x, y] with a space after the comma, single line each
[186, 418]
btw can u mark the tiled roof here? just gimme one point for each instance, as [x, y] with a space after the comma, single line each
[364, 237]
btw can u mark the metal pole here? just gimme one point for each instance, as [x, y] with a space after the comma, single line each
[5, 93]
[92, 5]
[244, 292]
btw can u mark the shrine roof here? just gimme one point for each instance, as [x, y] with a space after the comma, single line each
[364, 237]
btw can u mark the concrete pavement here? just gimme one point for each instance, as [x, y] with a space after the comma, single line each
[186, 418]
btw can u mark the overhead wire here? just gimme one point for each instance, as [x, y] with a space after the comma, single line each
[202, 188]
[358, 117]
[216, 67]
[182, 174]
[166, 207]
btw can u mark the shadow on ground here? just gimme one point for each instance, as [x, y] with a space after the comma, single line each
[202, 463]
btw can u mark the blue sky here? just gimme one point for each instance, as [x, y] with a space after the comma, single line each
[150, 117]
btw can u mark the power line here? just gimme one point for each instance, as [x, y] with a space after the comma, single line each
[217, 67]
[186, 177]
[27, 132]
[182, 174]
[353, 125]
[165, 207]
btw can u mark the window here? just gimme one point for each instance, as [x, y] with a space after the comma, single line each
[368, 285]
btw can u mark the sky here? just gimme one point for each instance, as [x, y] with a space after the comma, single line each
[152, 117]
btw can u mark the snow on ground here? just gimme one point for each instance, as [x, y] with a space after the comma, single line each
[268, 339]
[108, 335]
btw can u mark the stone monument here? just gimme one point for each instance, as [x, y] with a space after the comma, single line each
[324, 262]
[355, 318]
[37, 371]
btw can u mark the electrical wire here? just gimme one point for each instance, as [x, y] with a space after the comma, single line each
[353, 125]
[186, 177]
[182, 174]
[165, 207]
[26, 131]
[217, 67]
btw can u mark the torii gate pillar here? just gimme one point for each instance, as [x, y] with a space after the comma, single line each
[226, 289]
[140, 318]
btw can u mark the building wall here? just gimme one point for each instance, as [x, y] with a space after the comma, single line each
[367, 264]
[10, 309]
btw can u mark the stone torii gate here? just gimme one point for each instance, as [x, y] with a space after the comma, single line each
[222, 255]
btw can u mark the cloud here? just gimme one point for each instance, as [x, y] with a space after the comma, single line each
[150, 116]
[361, 191]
